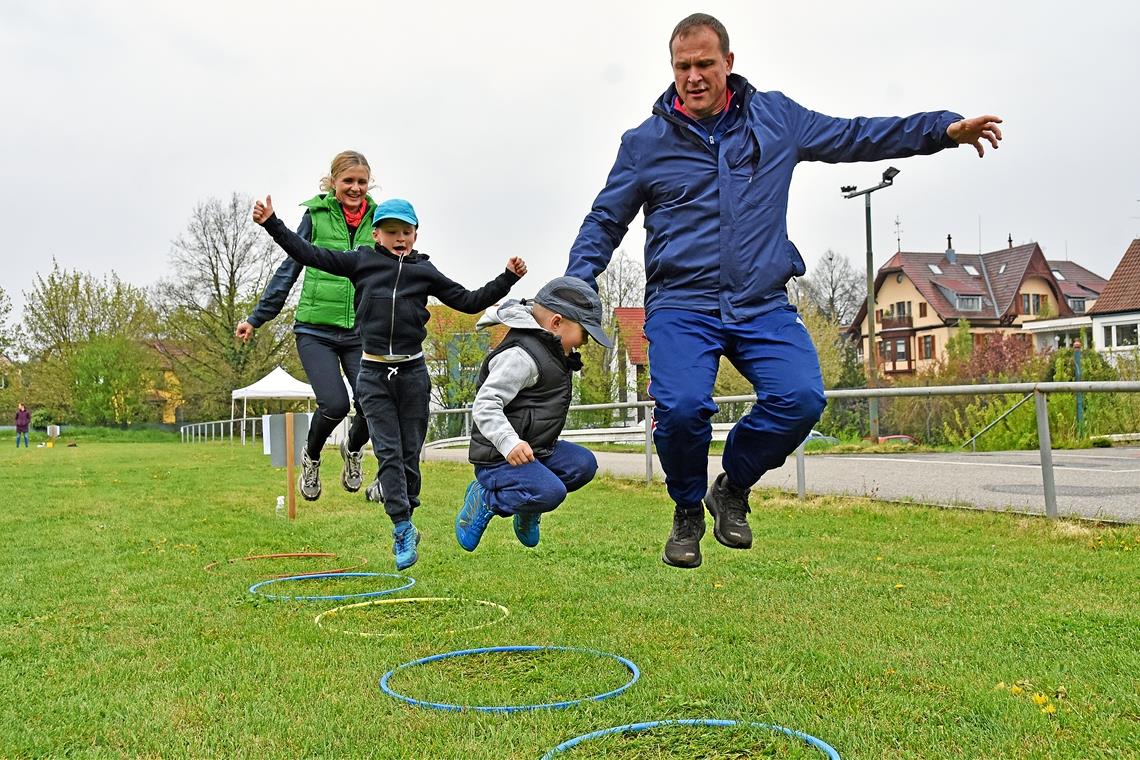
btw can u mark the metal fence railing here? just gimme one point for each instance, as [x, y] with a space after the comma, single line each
[454, 432]
[1038, 391]
[222, 430]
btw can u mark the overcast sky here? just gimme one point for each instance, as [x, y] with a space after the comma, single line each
[500, 121]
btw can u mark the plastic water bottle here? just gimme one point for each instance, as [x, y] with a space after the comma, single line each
[280, 506]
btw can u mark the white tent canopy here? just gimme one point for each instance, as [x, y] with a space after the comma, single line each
[278, 384]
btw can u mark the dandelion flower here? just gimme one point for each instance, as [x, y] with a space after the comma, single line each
[1016, 690]
[900, 585]
[1040, 699]
[1049, 709]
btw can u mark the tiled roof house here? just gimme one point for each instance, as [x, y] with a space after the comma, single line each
[921, 297]
[1116, 314]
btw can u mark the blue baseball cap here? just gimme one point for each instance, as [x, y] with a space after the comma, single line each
[395, 208]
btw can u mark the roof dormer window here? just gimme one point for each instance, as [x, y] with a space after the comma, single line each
[969, 303]
[935, 268]
[970, 270]
[1058, 275]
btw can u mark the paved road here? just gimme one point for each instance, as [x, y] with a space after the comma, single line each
[1092, 483]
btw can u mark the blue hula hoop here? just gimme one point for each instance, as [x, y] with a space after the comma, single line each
[635, 673]
[819, 744]
[254, 588]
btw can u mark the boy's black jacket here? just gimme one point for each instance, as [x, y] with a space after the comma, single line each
[391, 291]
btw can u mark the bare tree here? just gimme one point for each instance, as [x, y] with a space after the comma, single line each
[221, 264]
[622, 284]
[835, 287]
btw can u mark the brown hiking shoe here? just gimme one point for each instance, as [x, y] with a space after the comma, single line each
[683, 548]
[729, 508]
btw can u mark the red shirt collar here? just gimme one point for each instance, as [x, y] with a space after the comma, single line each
[679, 106]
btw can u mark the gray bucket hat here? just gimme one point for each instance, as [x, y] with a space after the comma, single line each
[575, 300]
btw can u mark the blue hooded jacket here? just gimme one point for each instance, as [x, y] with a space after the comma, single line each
[716, 204]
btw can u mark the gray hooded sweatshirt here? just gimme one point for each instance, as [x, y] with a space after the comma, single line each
[509, 372]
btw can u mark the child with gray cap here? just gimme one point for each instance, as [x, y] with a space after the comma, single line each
[525, 384]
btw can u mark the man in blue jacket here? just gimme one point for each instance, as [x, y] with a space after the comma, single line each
[711, 168]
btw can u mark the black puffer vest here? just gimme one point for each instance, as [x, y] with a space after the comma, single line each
[537, 413]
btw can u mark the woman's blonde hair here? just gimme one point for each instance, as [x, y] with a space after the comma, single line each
[346, 159]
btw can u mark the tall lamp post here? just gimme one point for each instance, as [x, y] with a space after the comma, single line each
[849, 191]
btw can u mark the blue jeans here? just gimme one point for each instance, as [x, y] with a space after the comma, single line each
[25, 434]
[538, 486]
[773, 351]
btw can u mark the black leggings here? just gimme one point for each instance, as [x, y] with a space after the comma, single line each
[323, 359]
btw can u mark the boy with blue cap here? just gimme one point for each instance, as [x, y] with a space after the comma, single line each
[393, 282]
[525, 385]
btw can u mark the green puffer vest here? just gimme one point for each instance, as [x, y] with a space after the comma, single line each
[327, 299]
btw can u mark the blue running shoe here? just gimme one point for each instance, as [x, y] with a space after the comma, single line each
[405, 539]
[473, 517]
[526, 529]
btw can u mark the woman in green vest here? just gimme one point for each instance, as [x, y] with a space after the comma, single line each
[339, 218]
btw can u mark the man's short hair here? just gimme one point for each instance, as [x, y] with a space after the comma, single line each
[695, 21]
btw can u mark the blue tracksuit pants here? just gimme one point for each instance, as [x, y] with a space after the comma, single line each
[773, 351]
[538, 486]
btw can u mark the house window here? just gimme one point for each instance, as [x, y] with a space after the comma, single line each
[1001, 269]
[902, 309]
[969, 303]
[1077, 305]
[900, 349]
[1025, 303]
[1108, 336]
[935, 268]
[922, 309]
[1058, 275]
[926, 350]
[878, 315]
[1038, 301]
[970, 270]
[1126, 335]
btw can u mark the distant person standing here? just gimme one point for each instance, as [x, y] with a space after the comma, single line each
[340, 219]
[23, 421]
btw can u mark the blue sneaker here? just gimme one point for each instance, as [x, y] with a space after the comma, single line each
[405, 539]
[473, 517]
[526, 529]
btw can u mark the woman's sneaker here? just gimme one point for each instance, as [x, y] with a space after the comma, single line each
[405, 539]
[309, 481]
[473, 517]
[375, 492]
[351, 477]
[526, 529]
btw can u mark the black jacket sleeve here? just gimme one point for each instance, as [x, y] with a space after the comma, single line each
[458, 297]
[341, 263]
[277, 289]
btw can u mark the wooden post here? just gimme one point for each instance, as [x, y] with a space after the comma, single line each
[290, 483]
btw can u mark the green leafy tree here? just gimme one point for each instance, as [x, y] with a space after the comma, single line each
[65, 313]
[112, 377]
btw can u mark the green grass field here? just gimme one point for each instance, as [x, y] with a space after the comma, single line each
[888, 632]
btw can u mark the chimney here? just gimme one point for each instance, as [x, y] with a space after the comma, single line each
[951, 256]
[1011, 240]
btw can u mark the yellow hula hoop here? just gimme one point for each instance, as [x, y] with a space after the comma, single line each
[405, 600]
